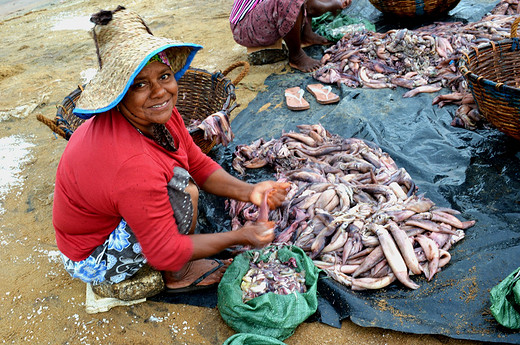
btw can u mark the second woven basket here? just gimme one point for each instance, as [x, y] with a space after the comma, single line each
[414, 9]
[492, 72]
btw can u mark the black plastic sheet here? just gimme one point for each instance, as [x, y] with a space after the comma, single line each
[475, 172]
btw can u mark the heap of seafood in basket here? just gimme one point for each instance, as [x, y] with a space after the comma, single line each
[215, 127]
[351, 209]
[271, 275]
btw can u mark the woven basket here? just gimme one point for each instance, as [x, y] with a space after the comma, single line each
[411, 9]
[492, 72]
[201, 94]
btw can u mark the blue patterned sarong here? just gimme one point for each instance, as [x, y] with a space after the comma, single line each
[117, 259]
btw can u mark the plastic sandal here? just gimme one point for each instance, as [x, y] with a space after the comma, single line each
[323, 94]
[294, 99]
[194, 286]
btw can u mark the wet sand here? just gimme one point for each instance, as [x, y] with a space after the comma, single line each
[41, 63]
[13, 8]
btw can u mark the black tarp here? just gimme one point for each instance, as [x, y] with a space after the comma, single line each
[475, 172]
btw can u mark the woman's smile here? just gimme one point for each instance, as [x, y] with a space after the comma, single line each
[160, 106]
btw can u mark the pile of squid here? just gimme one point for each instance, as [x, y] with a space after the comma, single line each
[422, 60]
[216, 127]
[271, 276]
[507, 7]
[350, 208]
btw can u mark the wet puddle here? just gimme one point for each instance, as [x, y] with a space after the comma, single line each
[14, 153]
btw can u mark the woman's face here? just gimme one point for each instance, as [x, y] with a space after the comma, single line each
[151, 97]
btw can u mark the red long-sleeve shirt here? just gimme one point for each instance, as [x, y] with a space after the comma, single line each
[110, 171]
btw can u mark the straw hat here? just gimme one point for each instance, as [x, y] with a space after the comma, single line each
[124, 45]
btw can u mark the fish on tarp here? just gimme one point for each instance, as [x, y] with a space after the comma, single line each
[352, 209]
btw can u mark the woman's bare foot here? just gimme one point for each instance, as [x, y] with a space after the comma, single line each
[309, 37]
[192, 271]
[316, 8]
[303, 62]
[313, 38]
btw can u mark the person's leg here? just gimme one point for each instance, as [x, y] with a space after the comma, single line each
[184, 195]
[302, 34]
[297, 57]
[193, 191]
[194, 269]
[309, 37]
[316, 8]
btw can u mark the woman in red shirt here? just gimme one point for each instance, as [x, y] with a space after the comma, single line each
[127, 183]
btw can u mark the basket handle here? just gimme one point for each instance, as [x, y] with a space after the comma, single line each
[242, 74]
[514, 26]
[51, 124]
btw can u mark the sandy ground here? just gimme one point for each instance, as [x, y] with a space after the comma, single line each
[40, 63]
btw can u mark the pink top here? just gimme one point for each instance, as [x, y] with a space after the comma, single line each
[241, 8]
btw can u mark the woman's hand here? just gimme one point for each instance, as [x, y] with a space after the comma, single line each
[277, 193]
[346, 3]
[252, 234]
[258, 234]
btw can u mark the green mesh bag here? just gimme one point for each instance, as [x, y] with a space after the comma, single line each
[505, 301]
[334, 27]
[271, 315]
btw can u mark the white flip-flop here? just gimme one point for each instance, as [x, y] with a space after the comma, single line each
[323, 94]
[294, 99]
